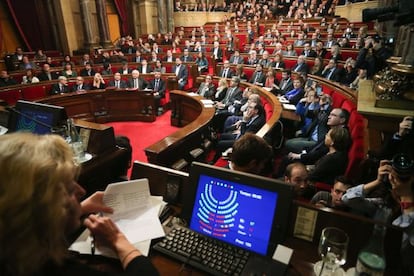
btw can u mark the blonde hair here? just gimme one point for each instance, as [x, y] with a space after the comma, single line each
[223, 82]
[33, 201]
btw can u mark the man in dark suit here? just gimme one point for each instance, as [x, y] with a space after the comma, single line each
[332, 72]
[206, 88]
[87, 71]
[124, 70]
[181, 73]
[159, 87]
[80, 85]
[138, 57]
[258, 77]
[217, 52]
[226, 72]
[286, 83]
[236, 58]
[136, 82]
[46, 74]
[186, 56]
[253, 119]
[145, 68]
[118, 82]
[320, 50]
[169, 56]
[301, 65]
[307, 51]
[60, 87]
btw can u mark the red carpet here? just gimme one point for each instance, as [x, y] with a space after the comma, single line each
[143, 134]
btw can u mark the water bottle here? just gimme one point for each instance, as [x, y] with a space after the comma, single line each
[371, 258]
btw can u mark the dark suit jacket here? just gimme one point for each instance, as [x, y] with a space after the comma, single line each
[240, 60]
[253, 126]
[311, 53]
[206, 92]
[122, 84]
[85, 86]
[85, 73]
[329, 167]
[281, 65]
[231, 96]
[121, 70]
[258, 79]
[336, 74]
[187, 59]
[43, 76]
[182, 73]
[56, 89]
[320, 119]
[314, 153]
[300, 68]
[161, 87]
[230, 73]
[288, 86]
[142, 84]
[219, 54]
[149, 69]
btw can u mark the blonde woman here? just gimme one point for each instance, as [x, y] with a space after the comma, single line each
[98, 82]
[221, 90]
[40, 207]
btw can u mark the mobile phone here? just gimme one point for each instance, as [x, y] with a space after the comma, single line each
[319, 90]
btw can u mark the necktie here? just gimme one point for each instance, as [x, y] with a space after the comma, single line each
[135, 83]
[225, 73]
[61, 88]
[330, 74]
[236, 59]
[80, 87]
[156, 85]
[257, 77]
[117, 84]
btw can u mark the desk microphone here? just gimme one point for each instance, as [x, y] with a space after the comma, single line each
[14, 110]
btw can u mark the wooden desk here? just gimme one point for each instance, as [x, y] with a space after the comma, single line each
[382, 122]
[103, 106]
[190, 113]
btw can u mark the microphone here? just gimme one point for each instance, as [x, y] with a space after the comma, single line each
[14, 110]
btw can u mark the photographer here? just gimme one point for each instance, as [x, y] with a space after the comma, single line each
[401, 141]
[399, 197]
[373, 56]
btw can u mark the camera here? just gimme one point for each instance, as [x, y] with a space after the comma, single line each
[403, 164]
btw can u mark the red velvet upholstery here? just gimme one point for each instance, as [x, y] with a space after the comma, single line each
[349, 106]
[10, 96]
[337, 99]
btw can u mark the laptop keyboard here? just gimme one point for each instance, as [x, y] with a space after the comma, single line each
[204, 253]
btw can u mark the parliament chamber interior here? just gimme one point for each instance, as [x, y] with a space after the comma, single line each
[258, 126]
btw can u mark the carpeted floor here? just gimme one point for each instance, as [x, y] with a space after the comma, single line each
[143, 134]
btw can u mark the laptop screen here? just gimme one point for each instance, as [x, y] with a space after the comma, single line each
[241, 209]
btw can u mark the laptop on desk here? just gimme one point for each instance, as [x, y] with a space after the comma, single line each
[245, 212]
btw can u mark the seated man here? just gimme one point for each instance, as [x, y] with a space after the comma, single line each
[87, 71]
[181, 73]
[207, 88]
[5, 79]
[301, 65]
[159, 87]
[226, 72]
[80, 85]
[333, 199]
[332, 71]
[253, 119]
[250, 154]
[118, 82]
[145, 68]
[60, 87]
[297, 176]
[125, 70]
[286, 83]
[258, 77]
[136, 81]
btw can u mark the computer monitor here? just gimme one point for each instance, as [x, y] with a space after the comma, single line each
[245, 210]
[35, 117]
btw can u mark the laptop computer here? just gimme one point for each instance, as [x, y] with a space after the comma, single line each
[246, 211]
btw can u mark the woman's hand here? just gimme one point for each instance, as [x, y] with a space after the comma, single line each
[94, 204]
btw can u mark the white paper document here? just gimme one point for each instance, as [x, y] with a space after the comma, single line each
[289, 107]
[135, 213]
[282, 99]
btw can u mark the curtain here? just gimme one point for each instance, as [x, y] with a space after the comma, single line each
[24, 20]
[122, 8]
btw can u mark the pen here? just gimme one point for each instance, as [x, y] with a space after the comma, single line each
[93, 241]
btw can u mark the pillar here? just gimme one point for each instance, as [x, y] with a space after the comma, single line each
[86, 16]
[103, 25]
[170, 15]
[162, 17]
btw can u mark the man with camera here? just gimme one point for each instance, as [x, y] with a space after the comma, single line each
[373, 56]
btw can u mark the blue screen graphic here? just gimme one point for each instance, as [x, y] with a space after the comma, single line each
[234, 213]
[28, 124]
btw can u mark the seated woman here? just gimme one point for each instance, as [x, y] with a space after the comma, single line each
[221, 90]
[317, 67]
[290, 51]
[202, 63]
[271, 82]
[40, 209]
[278, 62]
[334, 163]
[98, 82]
[240, 72]
[68, 71]
[29, 77]
[159, 67]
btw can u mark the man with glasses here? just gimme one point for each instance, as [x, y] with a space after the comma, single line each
[80, 85]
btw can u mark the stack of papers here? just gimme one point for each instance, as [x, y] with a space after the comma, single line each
[207, 103]
[282, 99]
[289, 107]
[135, 213]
